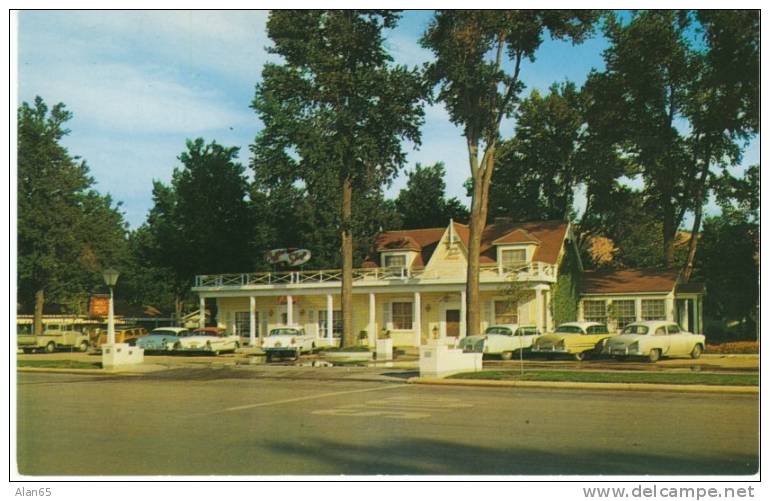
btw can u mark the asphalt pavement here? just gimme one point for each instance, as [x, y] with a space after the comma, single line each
[235, 422]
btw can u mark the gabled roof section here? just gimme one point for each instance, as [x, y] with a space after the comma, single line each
[547, 235]
[518, 236]
[632, 281]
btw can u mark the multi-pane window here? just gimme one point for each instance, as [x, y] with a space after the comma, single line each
[401, 315]
[653, 309]
[336, 323]
[506, 312]
[624, 311]
[242, 323]
[595, 311]
[395, 261]
[513, 258]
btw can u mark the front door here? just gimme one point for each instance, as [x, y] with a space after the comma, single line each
[452, 320]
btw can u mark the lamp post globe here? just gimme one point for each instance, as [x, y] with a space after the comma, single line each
[110, 279]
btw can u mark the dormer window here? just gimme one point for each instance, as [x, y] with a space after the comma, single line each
[513, 258]
[394, 261]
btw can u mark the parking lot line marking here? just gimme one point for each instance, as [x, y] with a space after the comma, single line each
[300, 399]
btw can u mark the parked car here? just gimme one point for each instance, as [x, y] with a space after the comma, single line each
[579, 339]
[654, 339]
[287, 341]
[55, 337]
[162, 339]
[123, 334]
[209, 339]
[502, 339]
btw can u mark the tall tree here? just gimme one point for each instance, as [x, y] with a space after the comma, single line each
[478, 58]
[650, 65]
[422, 203]
[337, 108]
[67, 232]
[202, 222]
[538, 169]
[724, 108]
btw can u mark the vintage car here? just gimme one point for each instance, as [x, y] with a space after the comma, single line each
[579, 339]
[210, 340]
[123, 334]
[162, 339]
[502, 339]
[287, 341]
[654, 339]
[64, 336]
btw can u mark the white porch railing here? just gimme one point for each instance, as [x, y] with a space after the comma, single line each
[535, 271]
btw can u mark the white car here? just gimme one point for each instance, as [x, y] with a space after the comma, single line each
[654, 339]
[210, 340]
[502, 339]
[287, 341]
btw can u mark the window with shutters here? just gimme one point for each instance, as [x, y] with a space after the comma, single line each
[401, 315]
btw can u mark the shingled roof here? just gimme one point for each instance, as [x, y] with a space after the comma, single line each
[547, 235]
[628, 281]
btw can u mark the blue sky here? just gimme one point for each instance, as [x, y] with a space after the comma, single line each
[141, 83]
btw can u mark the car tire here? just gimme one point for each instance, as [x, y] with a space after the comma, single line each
[696, 352]
[50, 347]
[506, 355]
[268, 357]
[296, 353]
[84, 346]
[580, 356]
[654, 356]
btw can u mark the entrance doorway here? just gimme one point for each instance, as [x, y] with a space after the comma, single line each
[452, 319]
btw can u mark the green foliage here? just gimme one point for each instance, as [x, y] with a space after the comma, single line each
[540, 167]
[566, 291]
[202, 223]
[423, 203]
[67, 232]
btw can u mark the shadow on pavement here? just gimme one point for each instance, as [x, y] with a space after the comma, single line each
[434, 457]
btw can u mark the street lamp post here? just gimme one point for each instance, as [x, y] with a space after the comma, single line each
[111, 278]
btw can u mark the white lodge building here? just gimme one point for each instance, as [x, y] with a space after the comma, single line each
[413, 287]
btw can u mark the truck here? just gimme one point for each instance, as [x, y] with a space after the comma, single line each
[56, 336]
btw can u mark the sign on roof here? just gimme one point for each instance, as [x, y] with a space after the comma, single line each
[290, 256]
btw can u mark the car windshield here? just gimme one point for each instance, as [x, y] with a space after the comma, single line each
[636, 329]
[503, 331]
[569, 329]
[169, 333]
[284, 332]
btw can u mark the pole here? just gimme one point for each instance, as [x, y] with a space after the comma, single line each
[111, 322]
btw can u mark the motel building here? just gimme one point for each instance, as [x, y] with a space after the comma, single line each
[412, 287]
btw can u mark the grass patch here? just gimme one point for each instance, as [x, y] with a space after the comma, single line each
[59, 364]
[617, 377]
[345, 349]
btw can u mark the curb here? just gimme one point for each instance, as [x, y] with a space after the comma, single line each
[681, 388]
[92, 372]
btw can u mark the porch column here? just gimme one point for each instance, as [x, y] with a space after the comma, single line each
[696, 316]
[252, 321]
[202, 313]
[329, 317]
[372, 324]
[416, 320]
[669, 304]
[684, 315]
[638, 308]
[539, 311]
[463, 331]
[547, 308]
[289, 310]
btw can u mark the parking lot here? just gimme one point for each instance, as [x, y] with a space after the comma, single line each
[230, 421]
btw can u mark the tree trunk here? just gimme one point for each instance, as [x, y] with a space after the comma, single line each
[348, 336]
[38, 320]
[178, 310]
[669, 237]
[699, 200]
[479, 208]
